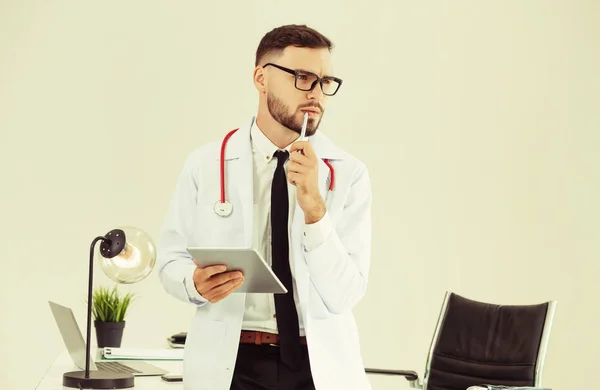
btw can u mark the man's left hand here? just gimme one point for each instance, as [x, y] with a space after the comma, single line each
[303, 172]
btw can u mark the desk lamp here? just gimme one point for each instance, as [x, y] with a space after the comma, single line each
[127, 255]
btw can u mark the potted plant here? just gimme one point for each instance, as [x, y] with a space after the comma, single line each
[109, 308]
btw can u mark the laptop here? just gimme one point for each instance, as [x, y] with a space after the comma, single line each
[67, 324]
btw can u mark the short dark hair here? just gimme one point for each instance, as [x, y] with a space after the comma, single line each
[296, 35]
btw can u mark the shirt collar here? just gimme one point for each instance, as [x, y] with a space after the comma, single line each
[262, 144]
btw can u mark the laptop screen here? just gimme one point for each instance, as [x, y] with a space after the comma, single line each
[67, 325]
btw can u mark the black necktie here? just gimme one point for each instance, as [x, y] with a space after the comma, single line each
[287, 316]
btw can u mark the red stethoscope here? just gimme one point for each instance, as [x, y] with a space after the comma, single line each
[223, 207]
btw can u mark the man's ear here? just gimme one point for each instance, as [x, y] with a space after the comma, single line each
[259, 79]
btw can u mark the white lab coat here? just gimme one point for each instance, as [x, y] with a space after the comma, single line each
[331, 279]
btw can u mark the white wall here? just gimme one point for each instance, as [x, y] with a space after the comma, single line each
[478, 121]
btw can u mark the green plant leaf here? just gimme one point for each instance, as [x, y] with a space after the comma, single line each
[108, 305]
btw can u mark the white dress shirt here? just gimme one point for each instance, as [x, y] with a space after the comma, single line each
[259, 314]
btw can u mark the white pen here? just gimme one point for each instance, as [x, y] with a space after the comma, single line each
[304, 123]
[303, 131]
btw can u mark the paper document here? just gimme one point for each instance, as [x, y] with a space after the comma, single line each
[111, 353]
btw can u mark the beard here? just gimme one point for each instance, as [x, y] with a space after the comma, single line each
[281, 113]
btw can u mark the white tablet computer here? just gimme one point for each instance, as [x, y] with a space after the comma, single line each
[258, 275]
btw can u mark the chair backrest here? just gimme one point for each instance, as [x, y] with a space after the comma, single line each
[478, 343]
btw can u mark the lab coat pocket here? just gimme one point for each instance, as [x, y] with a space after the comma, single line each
[202, 345]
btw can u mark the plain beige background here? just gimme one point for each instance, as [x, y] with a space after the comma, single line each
[478, 120]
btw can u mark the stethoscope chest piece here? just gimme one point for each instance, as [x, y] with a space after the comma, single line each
[223, 209]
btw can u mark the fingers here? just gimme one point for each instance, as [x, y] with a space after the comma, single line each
[296, 146]
[217, 280]
[300, 158]
[303, 146]
[227, 289]
[221, 291]
[300, 163]
[205, 284]
[295, 178]
[203, 274]
[293, 166]
[211, 270]
[220, 279]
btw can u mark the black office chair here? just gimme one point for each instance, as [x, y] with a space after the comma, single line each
[477, 343]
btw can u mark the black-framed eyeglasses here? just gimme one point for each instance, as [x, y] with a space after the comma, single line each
[307, 81]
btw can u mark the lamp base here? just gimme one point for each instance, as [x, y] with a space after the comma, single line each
[98, 380]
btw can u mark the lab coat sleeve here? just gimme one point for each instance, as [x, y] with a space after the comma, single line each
[338, 259]
[175, 265]
[316, 233]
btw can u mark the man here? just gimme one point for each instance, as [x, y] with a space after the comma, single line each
[317, 241]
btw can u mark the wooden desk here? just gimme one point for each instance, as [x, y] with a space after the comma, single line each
[52, 380]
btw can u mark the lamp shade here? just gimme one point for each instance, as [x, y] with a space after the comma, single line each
[128, 256]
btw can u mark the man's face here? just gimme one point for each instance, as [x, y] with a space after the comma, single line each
[285, 102]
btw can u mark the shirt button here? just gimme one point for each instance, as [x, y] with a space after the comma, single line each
[274, 315]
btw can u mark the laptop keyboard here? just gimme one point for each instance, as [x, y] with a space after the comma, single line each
[115, 367]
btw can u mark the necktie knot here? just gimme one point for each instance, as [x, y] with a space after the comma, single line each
[281, 156]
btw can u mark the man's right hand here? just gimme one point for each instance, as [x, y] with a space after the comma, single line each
[214, 284]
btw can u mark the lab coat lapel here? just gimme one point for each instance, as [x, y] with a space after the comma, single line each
[324, 149]
[239, 184]
[323, 178]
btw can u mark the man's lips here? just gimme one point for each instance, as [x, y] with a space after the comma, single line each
[311, 111]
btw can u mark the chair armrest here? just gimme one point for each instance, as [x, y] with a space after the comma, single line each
[409, 375]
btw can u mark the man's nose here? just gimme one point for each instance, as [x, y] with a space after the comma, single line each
[316, 93]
